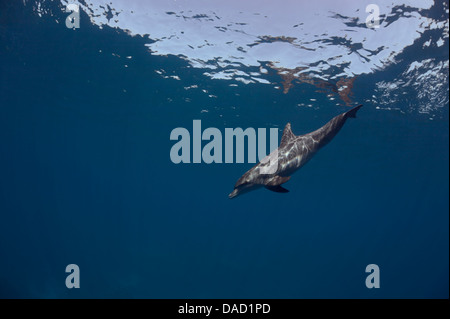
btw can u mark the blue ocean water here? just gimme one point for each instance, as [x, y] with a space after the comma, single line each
[86, 178]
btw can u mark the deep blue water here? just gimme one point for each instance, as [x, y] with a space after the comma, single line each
[86, 178]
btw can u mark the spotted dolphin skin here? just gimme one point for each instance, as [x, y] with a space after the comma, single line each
[293, 152]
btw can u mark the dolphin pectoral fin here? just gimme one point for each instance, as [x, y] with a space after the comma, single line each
[277, 189]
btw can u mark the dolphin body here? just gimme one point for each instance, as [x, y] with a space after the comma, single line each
[293, 152]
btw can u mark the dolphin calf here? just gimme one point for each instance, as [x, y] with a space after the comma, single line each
[294, 152]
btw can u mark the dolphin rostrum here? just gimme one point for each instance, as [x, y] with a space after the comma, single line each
[293, 152]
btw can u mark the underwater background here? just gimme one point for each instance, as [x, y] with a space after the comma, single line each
[86, 176]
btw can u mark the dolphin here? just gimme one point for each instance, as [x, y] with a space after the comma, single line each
[294, 152]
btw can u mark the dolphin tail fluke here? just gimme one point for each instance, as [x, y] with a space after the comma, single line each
[352, 112]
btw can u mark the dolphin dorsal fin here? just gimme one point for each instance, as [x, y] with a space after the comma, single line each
[287, 135]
